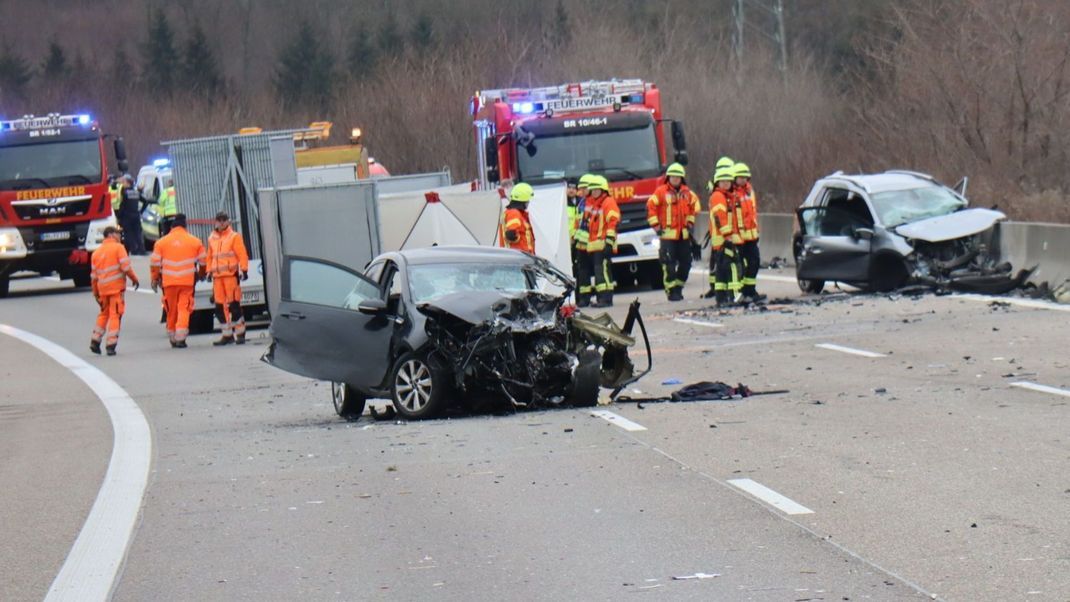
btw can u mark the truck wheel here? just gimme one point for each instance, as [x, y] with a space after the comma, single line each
[201, 321]
[348, 401]
[654, 277]
[5, 285]
[82, 279]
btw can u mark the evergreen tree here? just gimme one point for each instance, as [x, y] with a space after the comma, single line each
[15, 73]
[304, 75]
[363, 55]
[390, 41]
[200, 70]
[422, 34]
[55, 63]
[161, 59]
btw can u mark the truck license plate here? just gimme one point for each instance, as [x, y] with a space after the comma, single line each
[49, 236]
[250, 297]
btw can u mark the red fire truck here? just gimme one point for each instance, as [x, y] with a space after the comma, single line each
[54, 201]
[612, 128]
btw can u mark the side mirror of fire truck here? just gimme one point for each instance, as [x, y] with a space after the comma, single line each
[679, 142]
[120, 156]
[490, 152]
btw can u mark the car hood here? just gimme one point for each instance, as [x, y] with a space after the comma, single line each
[951, 226]
[477, 307]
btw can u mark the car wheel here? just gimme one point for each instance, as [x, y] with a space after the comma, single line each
[887, 274]
[813, 287]
[348, 401]
[417, 388]
[584, 390]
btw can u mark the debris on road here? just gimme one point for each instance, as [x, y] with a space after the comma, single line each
[696, 576]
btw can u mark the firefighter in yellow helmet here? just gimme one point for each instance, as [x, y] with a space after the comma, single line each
[726, 220]
[598, 233]
[516, 230]
[577, 194]
[749, 253]
[671, 212]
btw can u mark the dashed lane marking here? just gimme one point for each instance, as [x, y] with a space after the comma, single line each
[698, 322]
[1030, 303]
[852, 351]
[92, 566]
[767, 495]
[618, 420]
[1041, 388]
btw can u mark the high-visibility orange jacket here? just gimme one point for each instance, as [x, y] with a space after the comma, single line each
[517, 221]
[226, 253]
[111, 267]
[726, 218]
[602, 216]
[748, 202]
[178, 258]
[672, 211]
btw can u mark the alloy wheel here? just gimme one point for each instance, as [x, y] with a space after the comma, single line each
[413, 385]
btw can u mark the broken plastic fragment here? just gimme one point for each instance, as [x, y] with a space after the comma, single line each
[696, 576]
[672, 381]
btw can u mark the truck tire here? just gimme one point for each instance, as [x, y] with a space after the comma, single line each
[5, 285]
[201, 321]
[82, 279]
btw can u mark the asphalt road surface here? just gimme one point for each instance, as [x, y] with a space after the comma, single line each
[907, 461]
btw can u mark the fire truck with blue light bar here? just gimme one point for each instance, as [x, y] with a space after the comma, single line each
[54, 201]
[612, 128]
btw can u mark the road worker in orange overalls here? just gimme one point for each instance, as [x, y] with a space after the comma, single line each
[111, 268]
[228, 263]
[178, 261]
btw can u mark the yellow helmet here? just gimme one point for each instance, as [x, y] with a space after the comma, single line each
[741, 170]
[585, 181]
[598, 182]
[723, 174]
[724, 162]
[676, 170]
[522, 192]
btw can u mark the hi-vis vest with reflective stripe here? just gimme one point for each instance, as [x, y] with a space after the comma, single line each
[177, 258]
[226, 253]
[518, 221]
[110, 266]
[168, 207]
[115, 194]
[672, 211]
[602, 216]
[726, 218]
[748, 203]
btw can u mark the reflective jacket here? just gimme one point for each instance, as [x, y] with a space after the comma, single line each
[602, 215]
[726, 218]
[226, 253]
[168, 206]
[518, 222]
[748, 202]
[111, 266]
[115, 195]
[178, 257]
[672, 211]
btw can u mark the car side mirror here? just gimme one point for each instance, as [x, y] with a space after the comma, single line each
[863, 233]
[372, 307]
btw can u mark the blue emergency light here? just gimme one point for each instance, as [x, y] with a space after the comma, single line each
[84, 119]
[523, 107]
[161, 162]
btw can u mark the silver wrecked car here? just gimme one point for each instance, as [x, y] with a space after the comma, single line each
[885, 231]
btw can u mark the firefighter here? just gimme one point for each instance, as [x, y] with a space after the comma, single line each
[712, 236]
[722, 163]
[726, 221]
[167, 205]
[516, 231]
[749, 253]
[601, 215]
[577, 195]
[228, 264]
[115, 194]
[129, 216]
[671, 212]
[178, 261]
[111, 268]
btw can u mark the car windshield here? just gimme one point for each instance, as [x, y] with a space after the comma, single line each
[897, 207]
[431, 281]
[619, 154]
[50, 164]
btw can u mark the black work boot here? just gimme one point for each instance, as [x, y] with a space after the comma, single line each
[604, 300]
[676, 293]
[583, 300]
[240, 339]
[111, 349]
[723, 299]
[179, 345]
[226, 340]
[94, 346]
[710, 294]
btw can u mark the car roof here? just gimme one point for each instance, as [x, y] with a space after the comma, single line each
[464, 254]
[887, 181]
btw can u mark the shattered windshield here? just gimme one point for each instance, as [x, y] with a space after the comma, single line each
[431, 281]
[897, 207]
[51, 164]
[622, 154]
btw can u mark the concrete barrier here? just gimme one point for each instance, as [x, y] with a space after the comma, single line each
[1046, 246]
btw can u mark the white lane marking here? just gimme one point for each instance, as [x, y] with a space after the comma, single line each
[842, 349]
[767, 495]
[91, 567]
[618, 420]
[1041, 388]
[1030, 303]
[698, 322]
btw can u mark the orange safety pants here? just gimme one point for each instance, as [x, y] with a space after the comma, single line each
[227, 294]
[112, 308]
[178, 302]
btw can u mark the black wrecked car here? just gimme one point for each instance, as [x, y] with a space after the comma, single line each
[428, 328]
[894, 229]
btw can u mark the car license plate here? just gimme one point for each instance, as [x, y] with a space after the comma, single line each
[250, 297]
[48, 236]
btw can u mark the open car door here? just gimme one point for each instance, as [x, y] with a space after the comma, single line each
[320, 330]
[835, 245]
